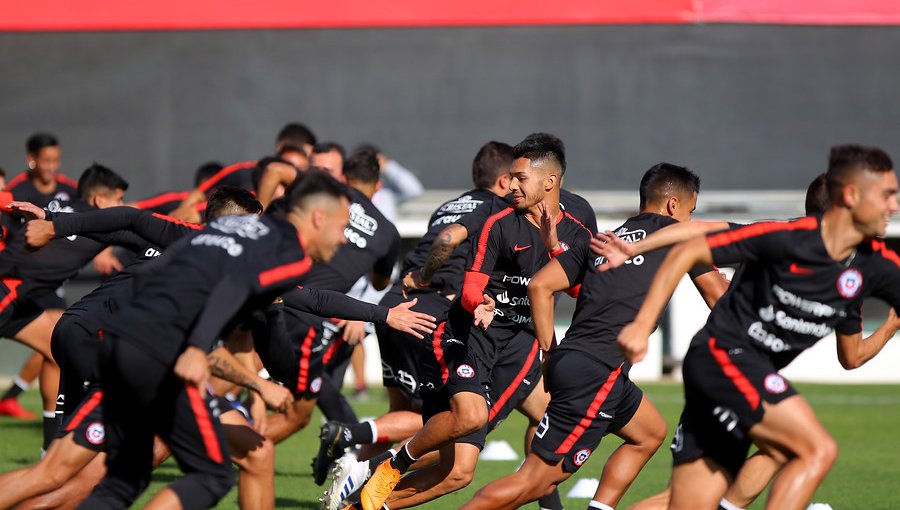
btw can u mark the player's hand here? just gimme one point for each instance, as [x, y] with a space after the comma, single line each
[106, 262]
[417, 324]
[275, 396]
[484, 313]
[615, 250]
[548, 228]
[413, 281]
[38, 233]
[192, 367]
[354, 331]
[258, 414]
[633, 341]
[28, 210]
[892, 319]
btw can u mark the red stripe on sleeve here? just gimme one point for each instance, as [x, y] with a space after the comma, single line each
[885, 252]
[284, 272]
[511, 389]
[201, 415]
[591, 414]
[15, 181]
[740, 381]
[225, 172]
[758, 229]
[305, 353]
[158, 200]
[473, 290]
[85, 410]
[66, 180]
[170, 219]
[483, 238]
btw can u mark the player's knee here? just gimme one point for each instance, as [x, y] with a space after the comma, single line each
[261, 460]
[458, 478]
[470, 419]
[826, 452]
[656, 434]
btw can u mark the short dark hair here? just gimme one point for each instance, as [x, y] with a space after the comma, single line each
[289, 147]
[492, 160]
[2, 172]
[362, 166]
[311, 184]
[206, 170]
[295, 134]
[323, 147]
[367, 146]
[665, 179]
[38, 141]
[542, 147]
[96, 178]
[817, 200]
[846, 160]
[230, 200]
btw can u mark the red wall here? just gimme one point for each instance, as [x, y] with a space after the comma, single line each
[90, 15]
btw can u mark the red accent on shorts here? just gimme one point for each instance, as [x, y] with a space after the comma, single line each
[85, 410]
[439, 351]
[514, 385]
[170, 219]
[483, 238]
[12, 284]
[591, 412]
[758, 229]
[305, 353]
[335, 345]
[733, 373]
[162, 198]
[201, 414]
[287, 271]
[473, 290]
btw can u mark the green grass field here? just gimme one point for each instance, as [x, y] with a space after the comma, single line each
[865, 420]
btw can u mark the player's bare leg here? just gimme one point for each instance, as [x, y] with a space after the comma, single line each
[791, 428]
[255, 456]
[282, 425]
[454, 472]
[63, 461]
[535, 479]
[643, 435]
[37, 336]
[698, 485]
[753, 478]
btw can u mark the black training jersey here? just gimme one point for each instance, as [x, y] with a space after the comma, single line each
[235, 265]
[507, 254]
[373, 243]
[790, 292]
[239, 175]
[23, 190]
[608, 301]
[162, 203]
[578, 207]
[449, 278]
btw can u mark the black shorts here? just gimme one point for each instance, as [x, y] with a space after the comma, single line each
[588, 400]
[75, 350]
[293, 349]
[401, 352]
[514, 376]
[450, 367]
[724, 389]
[15, 314]
[86, 422]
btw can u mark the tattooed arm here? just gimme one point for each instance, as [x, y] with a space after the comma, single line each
[224, 365]
[441, 249]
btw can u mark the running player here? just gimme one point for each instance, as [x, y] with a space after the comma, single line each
[800, 281]
[510, 249]
[590, 392]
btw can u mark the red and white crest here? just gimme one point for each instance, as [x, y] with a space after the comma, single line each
[849, 283]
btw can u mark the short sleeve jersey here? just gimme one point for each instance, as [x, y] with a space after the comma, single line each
[608, 301]
[449, 277]
[373, 243]
[790, 292]
[23, 190]
[509, 250]
[235, 265]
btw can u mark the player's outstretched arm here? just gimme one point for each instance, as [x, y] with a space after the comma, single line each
[711, 285]
[854, 350]
[617, 251]
[547, 282]
[440, 251]
[275, 174]
[402, 318]
[225, 365]
[633, 337]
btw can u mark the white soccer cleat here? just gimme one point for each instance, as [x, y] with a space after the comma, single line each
[348, 477]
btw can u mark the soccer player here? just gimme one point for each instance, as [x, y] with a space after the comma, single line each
[513, 245]
[42, 182]
[328, 156]
[800, 280]
[590, 392]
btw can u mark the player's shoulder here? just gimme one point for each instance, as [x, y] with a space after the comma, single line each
[777, 231]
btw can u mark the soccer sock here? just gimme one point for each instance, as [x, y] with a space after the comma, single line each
[50, 425]
[728, 505]
[599, 506]
[16, 389]
[362, 433]
[403, 460]
[551, 501]
[381, 457]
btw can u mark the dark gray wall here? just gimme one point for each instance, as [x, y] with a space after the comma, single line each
[745, 106]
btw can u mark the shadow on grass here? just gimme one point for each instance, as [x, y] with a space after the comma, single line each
[20, 424]
[296, 503]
